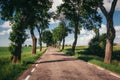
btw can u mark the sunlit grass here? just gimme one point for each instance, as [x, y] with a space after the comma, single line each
[116, 48]
[9, 71]
[82, 53]
[110, 67]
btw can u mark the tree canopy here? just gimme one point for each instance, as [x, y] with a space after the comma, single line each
[28, 14]
[47, 37]
[80, 13]
[23, 14]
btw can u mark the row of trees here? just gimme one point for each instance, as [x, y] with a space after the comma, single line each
[24, 14]
[57, 35]
[28, 14]
[84, 14]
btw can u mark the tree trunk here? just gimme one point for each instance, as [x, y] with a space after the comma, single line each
[40, 40]
[40, 45]
[75, 38]
[109, 40]
[110, 30]
[16, 58]
[63, 44]
[46, 45]
[34, 42]
[40, 37]
[59, 44]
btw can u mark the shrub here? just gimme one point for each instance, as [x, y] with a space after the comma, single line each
[97, 45]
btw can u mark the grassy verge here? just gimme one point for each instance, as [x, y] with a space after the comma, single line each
[9, 71]
[82, 54]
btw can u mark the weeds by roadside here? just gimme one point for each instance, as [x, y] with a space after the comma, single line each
[9, 71]
[82, 53]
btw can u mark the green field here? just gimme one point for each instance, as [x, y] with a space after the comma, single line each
[9, 71]
[82, 53]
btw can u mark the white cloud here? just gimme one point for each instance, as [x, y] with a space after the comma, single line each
[29, 40]
[86, 32]
[55, 4]
[53, 21]
[107, 4]
[103, 29]
[85, 36]
[117, 28]
[69, 39]
[83, 39]
[37, 36]
[5, 25]
[83, 31]
[117, 38]
[5, 32]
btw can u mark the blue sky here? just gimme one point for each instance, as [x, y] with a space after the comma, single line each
[83, 38]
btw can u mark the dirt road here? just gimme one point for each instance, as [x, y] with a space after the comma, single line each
[54, 65]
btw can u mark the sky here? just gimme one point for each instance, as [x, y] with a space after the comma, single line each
[84, 37]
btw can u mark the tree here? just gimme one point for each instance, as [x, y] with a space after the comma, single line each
[32, 11]
[97, 45]
[65, 31]
[80, 13]
[43, 18]
[36, 12]
[63, 26]
[47, 38]
[110, 29]
[40, 29]
[34, 40]
[42, 25]
[56, 36]
[17, 37]
[22, 14]
[60, 32]
[10, 10]
[70, 9]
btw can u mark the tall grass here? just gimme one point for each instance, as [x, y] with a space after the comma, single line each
[9, 71]
[82, 53]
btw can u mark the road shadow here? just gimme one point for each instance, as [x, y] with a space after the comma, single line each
[60, 54]
[52, 61]
[84, 58]
[59, 60]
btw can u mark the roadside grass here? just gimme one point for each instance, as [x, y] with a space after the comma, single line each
[82, 53]
[9, 71]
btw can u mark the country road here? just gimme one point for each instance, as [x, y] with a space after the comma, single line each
[55, 65]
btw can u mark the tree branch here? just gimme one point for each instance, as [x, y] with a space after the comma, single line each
[113, 7]
[103, 8]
